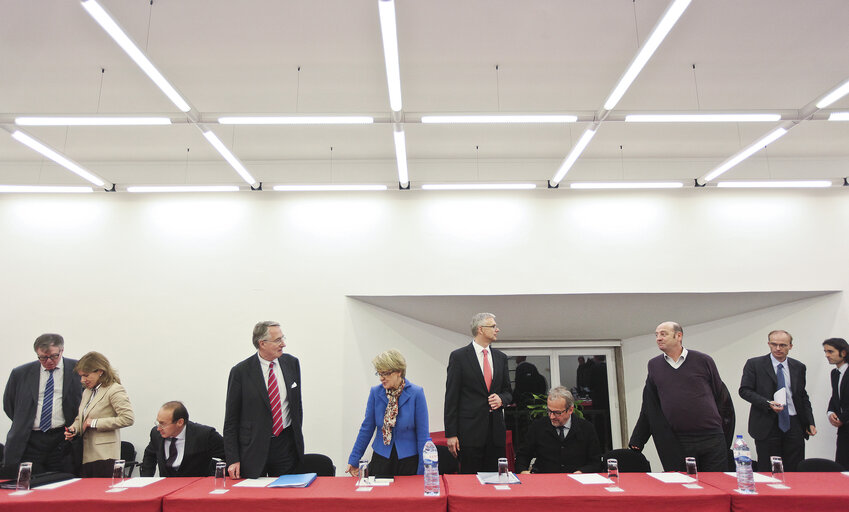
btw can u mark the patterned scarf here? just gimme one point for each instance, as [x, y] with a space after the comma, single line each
[391, 414]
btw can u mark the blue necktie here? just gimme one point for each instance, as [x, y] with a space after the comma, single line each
[47, 405]
[784, 414]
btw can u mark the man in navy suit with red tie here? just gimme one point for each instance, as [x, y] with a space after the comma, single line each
[263, 415]
[836, 351]
[477, 388]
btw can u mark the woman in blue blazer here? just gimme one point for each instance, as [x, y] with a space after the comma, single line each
[396, 415]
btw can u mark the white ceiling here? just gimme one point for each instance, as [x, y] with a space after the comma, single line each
[584, 316]
[553, 56]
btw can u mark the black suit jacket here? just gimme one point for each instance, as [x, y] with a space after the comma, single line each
[20, 401]
[247, 416]
[466, 397]
[202, 444]
[758, 386]
[839, 404]
[580, 451]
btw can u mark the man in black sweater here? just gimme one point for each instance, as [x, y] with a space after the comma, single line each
[562, 442]
[686, 407]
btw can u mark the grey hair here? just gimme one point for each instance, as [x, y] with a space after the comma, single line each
[45, 341]
[390, 361]
[261, 331]
[562, 392]
[478, 320]
[780, 331]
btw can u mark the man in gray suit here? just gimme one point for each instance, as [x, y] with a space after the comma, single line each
[41, 399]
[778, 428]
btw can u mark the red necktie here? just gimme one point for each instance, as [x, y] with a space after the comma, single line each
[274, 398]
[487, 371]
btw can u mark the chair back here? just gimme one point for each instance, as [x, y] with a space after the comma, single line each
[321, 465]
[630, 461]
[128, 453]
[819, 466]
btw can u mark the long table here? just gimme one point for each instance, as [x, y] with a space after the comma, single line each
[640, 492]
[808, 492]
[90, 495]
[324, 494]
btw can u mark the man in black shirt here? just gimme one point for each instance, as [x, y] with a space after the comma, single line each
[561, 443]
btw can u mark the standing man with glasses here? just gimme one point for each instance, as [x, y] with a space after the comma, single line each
[780, 423]
[476, 389]
[562, 442]
[263, 415]
[41, 399]
[180, 447]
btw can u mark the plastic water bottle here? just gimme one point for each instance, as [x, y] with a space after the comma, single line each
[743, 463]
[430, 458]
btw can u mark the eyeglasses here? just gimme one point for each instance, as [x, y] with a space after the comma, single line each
[556, 413]
[278, 341]
[54, 357]
[385, 374]
[782, 346]
[493, 326]
[159, 424]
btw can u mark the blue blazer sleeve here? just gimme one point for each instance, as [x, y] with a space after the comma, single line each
[366, 430]
[422, 426]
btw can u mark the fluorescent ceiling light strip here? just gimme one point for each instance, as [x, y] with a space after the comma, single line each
[39, 189]
[388, 29]
[775, 184]
[517, 118]
[296, 120]
[231, 159]
[401, 157]
[479, 186]
[834, 95]
[746, 153]
[661, 30]
[573, 155]
[117, 33]
[325, 188]
[60, 159]
[702, 118]
[182, 188]
[839, 116]
[91, 121]
[624, 185]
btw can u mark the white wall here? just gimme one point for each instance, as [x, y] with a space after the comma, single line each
[168, 287]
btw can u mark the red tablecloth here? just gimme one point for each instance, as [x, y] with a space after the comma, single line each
[559, 491]
[815, 492]
[324, 494]
[89, 495]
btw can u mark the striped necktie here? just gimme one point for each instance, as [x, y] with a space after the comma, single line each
[47, 405]
[274, 398]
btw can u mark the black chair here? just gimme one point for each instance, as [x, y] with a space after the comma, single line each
[448, 464]
[630, 461]
[819, 466]
[128, 453]
[317, 463]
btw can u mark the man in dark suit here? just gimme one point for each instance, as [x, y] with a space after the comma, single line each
[560, 442]
[779, 427]
[190, 446]
[263, 415]
[836, 351]
[41, 399]
[477, 387]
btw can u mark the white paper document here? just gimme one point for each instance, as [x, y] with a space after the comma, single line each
[780, 396]
[139, 481]
[759, 478]
[673, 478]
[590, 478]
[56, 485]
[256, 482]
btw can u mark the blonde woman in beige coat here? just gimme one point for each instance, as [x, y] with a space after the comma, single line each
[104, 408]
